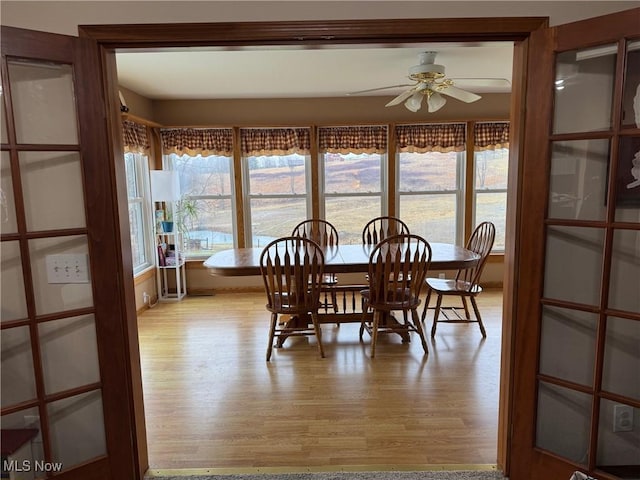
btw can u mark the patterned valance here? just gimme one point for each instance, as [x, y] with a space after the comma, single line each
[448, 137]
[197, 141]
[359, 139]
[134, 136]
[490, 136]
[274, 141]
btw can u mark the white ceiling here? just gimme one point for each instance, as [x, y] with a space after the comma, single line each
[285, 72]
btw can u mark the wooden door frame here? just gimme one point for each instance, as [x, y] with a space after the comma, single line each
[515, 29]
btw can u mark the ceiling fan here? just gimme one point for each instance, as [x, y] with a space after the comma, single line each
[432, 84]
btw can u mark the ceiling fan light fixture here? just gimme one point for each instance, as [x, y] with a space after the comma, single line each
[435, 102]
[414, 102]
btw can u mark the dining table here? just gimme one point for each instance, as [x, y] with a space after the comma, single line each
[339, 259]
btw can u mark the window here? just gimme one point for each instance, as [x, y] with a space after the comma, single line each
[205, 214]
[490, 191]
[136, 162]
[137, 169]
[353, 161]
[431, 194]
[491, 161]
[275, 171]
[430, 165]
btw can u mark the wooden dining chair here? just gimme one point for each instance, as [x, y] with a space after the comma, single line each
[292, 269]
[398, 267]
[376, 230]
[379, 228]
[466, 283]
[325, 235]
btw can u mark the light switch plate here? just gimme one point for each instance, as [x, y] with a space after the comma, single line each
[67, 268]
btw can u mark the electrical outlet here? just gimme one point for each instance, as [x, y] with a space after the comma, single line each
[441, 275]
[145, 298]
[622, 418]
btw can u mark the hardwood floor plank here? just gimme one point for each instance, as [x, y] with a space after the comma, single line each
[212, 401]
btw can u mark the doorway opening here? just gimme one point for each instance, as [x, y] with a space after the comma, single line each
[250, 34]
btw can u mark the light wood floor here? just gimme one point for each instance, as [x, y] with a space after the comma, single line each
[212, 400]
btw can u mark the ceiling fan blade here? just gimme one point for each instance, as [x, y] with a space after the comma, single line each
[381, 88]
[460, 94]
[483, 82]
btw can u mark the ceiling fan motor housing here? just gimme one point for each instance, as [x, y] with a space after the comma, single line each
[426, 70]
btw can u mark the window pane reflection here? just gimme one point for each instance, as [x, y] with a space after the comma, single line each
[627, 185]
[631, 91]
[573, 264]
[578, 179]
[8, 222]
[624, 284]
[580, 73]
[77, 429]
[622, 358]
[14, 303]
[43, 102]
[563, 422]
[567, 345]
[18, 378]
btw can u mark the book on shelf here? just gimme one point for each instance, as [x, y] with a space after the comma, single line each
[162, 261]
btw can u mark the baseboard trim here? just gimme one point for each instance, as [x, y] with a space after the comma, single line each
[346, 468]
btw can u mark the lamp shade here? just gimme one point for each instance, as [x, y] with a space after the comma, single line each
[414, 102]
[165, 186]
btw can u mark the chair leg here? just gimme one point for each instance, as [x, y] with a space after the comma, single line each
[365, 308]
[316, 328]
[466, 307]
[477, 312]
[426, 304]
[374, 332]
[418, 325]
[436, 315]
[272, 331]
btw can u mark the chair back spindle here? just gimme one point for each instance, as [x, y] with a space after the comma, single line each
[480, 242]
[379, 228]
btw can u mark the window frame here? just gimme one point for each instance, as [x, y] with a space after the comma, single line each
[459, 192]
[143, 190]
[384, 184]
[168, 162]
[475, 192]
[247, 196]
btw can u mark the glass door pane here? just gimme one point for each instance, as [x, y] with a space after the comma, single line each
[43, 102]
[579, 75]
